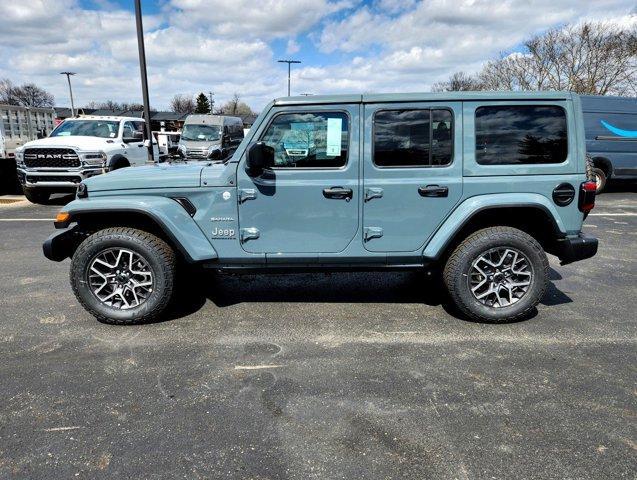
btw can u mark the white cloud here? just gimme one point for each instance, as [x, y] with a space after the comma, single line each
[228, 47]
[292, 47]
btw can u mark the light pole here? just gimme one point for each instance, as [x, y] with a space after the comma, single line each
[142, 68]
[212, 103]
[68, 79]
[289, 62]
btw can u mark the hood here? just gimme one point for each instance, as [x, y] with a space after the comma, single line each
[74, 142]
[152, 176]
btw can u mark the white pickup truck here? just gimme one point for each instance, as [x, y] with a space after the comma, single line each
[80, 148]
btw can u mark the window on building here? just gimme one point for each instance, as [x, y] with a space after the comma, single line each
[521, 134]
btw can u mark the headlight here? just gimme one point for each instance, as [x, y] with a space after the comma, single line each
[182, 150]
[19, 156]
[214, 151]
[97, 159]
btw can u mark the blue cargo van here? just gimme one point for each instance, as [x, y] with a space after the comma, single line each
[610, 124]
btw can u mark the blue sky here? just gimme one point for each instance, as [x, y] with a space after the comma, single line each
[231, 46]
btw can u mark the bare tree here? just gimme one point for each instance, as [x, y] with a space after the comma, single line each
[458, 82]
[182, 104]
[235, 106]
[27, 95]
[591, 58]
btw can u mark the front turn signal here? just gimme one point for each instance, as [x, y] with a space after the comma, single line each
[62, 220]
[62, 217]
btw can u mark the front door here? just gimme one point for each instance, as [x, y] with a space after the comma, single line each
[136, 153]
[308, 202]
[412, 172]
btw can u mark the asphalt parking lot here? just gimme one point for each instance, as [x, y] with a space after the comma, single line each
[352, 376]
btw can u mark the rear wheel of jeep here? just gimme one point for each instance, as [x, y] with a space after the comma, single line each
[123, 275]
[36, 195]
[498, 274]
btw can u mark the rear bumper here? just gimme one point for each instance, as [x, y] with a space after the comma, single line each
[573, 249]
[61, 244]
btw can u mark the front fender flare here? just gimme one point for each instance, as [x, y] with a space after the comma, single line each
[170, 216]
[470, 207]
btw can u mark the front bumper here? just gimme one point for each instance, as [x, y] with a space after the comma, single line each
[71, 178]
[62, 243]
[573, 249]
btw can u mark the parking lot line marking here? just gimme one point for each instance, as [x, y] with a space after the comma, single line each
[26, 220]
[256, 367]
[60, 429]
[613, 214]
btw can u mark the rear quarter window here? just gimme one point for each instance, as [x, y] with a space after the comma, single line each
[520, 134]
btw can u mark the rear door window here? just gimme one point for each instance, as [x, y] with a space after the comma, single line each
[413, 138]
[520, 134]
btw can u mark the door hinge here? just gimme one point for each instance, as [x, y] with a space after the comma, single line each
[371, 193]
[249, 234]
[247, 194]
[372, 232]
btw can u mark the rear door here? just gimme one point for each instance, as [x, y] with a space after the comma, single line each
[412, 172]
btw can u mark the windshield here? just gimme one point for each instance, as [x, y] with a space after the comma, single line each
[87, 128]
[201, 133]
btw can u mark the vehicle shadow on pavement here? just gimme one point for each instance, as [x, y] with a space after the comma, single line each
[224, 290]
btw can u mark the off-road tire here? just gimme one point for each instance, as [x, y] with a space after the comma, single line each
[160, 256]
[456, 271]
[600, 179]
[37, 195]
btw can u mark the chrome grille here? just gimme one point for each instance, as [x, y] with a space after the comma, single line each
[51, 158]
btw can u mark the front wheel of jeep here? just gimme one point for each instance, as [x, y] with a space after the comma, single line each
[497, 275]
[123, 275]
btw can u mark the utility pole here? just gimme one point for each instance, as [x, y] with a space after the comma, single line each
[212, 103]
[142, 68]
[289, 62]
[68, 79]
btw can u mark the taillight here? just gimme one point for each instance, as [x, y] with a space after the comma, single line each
[587, 196]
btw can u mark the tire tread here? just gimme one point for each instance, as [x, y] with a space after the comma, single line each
[165, 252]
[486, 235]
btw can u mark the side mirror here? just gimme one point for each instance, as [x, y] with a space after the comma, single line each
[137, 137]
[260, 156]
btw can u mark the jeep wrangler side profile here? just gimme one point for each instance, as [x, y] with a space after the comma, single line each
[482, 185]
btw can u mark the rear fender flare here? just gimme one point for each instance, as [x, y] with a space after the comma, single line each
[474, 205]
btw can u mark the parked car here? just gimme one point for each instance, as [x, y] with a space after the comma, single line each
[610, 124]
[213, 137]
[80, 148]
[479, 185]
[19, 125]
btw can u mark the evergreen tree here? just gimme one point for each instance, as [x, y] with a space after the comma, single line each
[203, 104]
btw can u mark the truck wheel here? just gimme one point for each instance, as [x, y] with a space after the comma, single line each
[37, 195]
[600, 179]
[498, 274]
[123, 276]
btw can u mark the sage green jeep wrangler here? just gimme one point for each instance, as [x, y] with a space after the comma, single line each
[481, 185]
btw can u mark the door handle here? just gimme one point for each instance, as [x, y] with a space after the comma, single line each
[140, 145]
[338, 193]
[433, 191]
